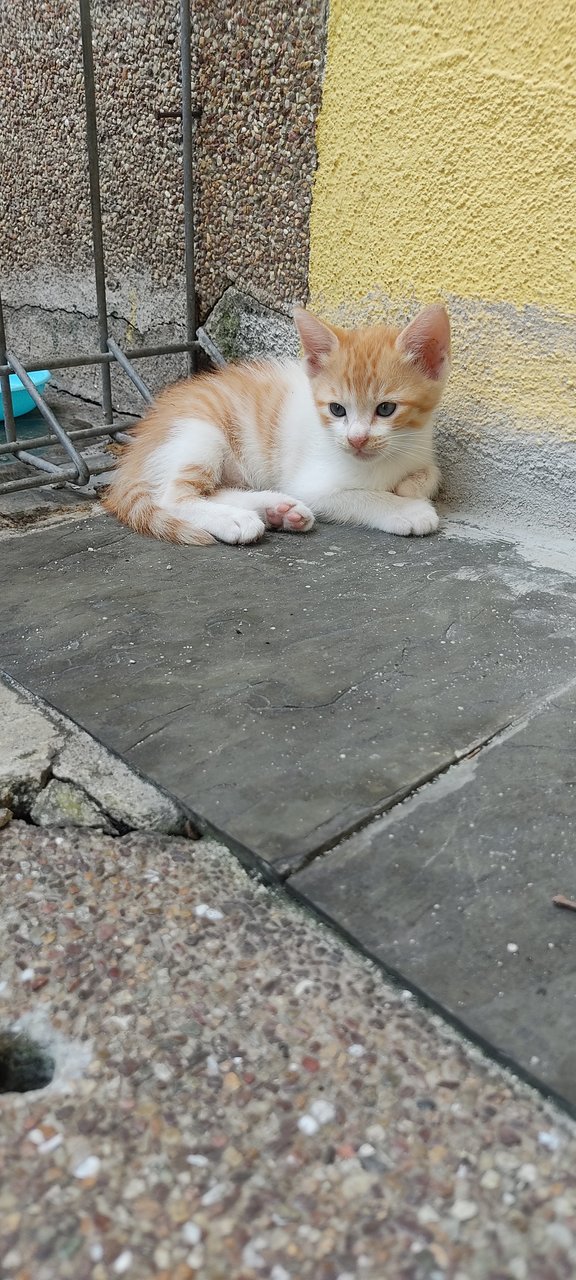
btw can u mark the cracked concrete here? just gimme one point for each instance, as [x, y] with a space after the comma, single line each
[39, 331]
[64, 804]
[54, 774]
[29, 741]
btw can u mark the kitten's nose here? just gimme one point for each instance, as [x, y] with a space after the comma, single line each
[358, 439]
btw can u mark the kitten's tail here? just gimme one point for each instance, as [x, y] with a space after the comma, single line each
[133, 506]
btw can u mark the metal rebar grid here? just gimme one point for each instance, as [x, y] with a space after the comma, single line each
[78, 469]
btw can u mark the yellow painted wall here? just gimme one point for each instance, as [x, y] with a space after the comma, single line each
[447, 167]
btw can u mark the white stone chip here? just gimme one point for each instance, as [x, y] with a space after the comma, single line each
[192, 1233]
[50, 1144]
[208, 913]
[308, 1125]
[549, 1139]
[87, 1168]
[215, 1194]
[122, 1263]
[322, 1111]
[464, 1210]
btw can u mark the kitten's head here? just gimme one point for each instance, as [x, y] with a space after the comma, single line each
[375, 387]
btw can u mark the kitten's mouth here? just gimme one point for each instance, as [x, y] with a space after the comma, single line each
[364, 450]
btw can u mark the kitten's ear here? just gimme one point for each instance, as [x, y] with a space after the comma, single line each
[318, 340]
[426, 342]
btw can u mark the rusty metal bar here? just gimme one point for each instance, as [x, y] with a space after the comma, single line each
[82, 433]
[95, 201]
[187, 169]
[9, 424]
[66, 475]
[210, 348]
[103, 357]
[134, 377]
[82, 472]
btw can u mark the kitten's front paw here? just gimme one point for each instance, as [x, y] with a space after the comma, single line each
[290, 515]
[420, 484]
[416, 518]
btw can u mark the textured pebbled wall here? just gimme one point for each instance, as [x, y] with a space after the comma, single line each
[447, 167]
[257, 81]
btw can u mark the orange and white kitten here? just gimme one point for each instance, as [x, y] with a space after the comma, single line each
[344, 435]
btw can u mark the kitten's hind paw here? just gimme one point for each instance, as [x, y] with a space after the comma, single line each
[290, 515]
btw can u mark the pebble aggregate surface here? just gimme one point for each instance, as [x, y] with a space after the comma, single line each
[257, 77]
[237, 1094]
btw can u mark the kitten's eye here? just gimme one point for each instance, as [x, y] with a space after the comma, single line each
[385, 410]
[337, 410]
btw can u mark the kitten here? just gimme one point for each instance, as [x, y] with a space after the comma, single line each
[345, 435]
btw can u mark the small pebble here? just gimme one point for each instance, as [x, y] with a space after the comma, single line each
[192, 1233]
[252, 1255]
[549, 1139]
[215, 1194]
[322, 1111]
[208, 913]
[51, 1144]
[560, 1235]
[356, 1185]
[308, 1125]
[87, 1168]
[464, 1210]
[123, 1263]
[427, 1214]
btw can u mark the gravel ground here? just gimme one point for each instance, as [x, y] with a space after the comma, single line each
[237, 1095]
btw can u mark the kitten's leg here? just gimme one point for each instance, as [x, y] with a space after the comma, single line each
[384, 511]
[423, 483]
[277, 510]
[186, 473]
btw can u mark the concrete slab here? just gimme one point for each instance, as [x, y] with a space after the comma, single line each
[53, 773]
[288, 692]
[235, 1093]
[28, 745]
[61, 804]
[453, 889]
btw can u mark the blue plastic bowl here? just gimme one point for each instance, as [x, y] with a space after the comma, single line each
[22, 402]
